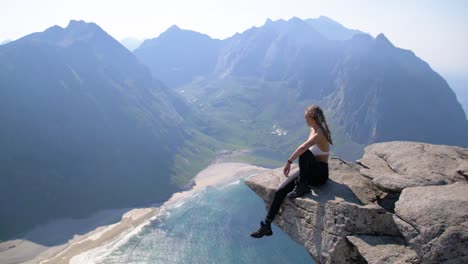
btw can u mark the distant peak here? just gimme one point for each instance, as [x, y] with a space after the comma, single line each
[174, 28]
[270, 22]
[54, 28]
[327, 19]
[174, 33]
[76, 22]
[382, 37]
[79, 24]
[82, 25]
[295, 19]
[383, 40]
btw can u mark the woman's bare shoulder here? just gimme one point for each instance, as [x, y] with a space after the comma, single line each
[323, 141]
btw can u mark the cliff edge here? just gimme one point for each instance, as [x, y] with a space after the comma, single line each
[402, 202]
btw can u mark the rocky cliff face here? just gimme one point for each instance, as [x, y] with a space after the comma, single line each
[402, 202]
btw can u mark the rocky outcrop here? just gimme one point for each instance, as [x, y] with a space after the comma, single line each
[397, 165]
[434, 220]
[383, 249]
[403, 202]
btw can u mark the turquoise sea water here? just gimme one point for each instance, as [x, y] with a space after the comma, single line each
[211, 227]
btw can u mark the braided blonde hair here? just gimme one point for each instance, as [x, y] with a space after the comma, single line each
[316, 113]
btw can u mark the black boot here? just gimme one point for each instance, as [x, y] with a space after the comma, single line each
[264, 230]
[299, 190]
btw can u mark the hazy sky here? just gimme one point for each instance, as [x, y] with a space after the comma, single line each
[436, 30]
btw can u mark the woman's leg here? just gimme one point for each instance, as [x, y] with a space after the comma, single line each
[280, 194]
[283, 189]
[309, 168]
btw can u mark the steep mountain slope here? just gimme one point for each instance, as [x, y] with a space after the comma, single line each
[384, 93]
[84, 127]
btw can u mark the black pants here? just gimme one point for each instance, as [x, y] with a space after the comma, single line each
[311, 172]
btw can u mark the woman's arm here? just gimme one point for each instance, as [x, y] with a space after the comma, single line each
[301, 149]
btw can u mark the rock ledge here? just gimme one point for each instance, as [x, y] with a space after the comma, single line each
[402, 202]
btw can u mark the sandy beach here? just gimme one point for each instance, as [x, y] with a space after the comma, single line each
[81, 238]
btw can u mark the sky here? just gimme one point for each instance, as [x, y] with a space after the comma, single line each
[436, 30]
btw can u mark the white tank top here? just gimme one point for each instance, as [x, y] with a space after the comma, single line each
[317, 151]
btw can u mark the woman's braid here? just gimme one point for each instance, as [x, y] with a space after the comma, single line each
[327, 130]
[320, 118]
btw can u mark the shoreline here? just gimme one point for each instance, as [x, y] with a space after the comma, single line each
[125, 222]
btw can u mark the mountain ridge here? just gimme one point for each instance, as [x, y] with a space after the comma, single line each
[339, 75]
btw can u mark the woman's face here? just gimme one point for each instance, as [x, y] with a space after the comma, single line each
[308, 119]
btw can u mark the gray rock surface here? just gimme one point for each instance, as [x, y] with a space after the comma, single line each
[351, 218]
[383, 249]
[396, 165]
[438, 220]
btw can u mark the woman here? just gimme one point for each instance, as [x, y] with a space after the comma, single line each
[313, 167]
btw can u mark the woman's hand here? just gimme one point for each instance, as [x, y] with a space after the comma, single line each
[286, 169]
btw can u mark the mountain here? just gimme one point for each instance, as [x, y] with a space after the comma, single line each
[263, 80]
[173, 61]
[371, 90]
[384, 93]
[131, 43]
[331, 29]
[275, 51]
[5, 41]
[178, 56]
[84, 127]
